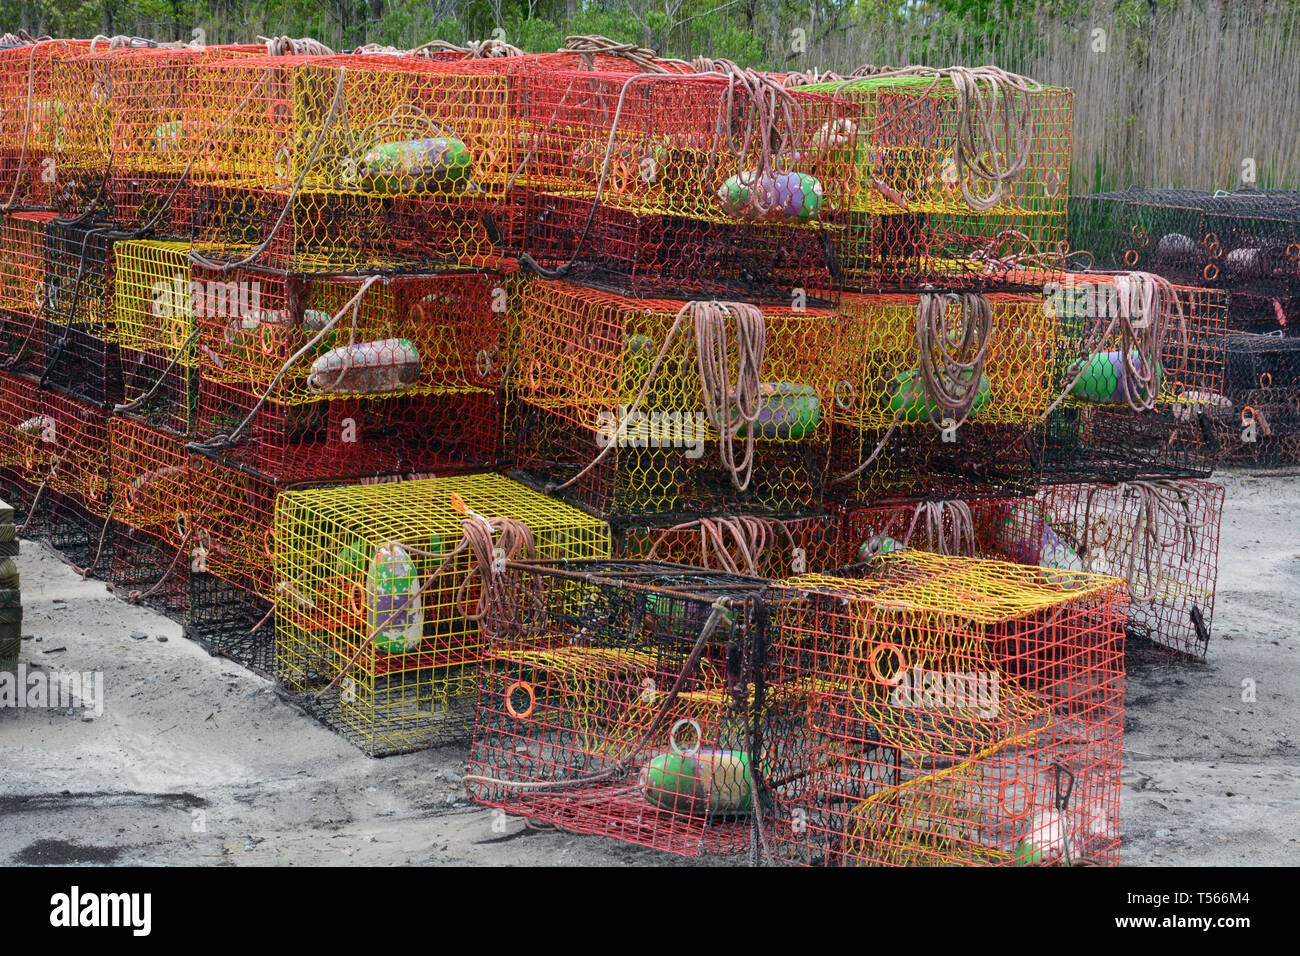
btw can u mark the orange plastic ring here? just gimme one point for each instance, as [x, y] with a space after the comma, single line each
[873, 662]
[1244, 410]
[1211, 272]
[534, 373]
[1137, 232]
[1262, 377]
[1293, 250]
[1130, 257]
[1098, 526]
[532, 700]
[268, 543]
[357, 599]
[1002, 798]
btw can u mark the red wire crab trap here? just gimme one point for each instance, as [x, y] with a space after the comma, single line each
[1161, 537]
[680, 184]
[959, 178]
[938, 394]
[937, 710]
[754, 545]
[629, 407]
[1115, 418]
[81, 357]
[64, 449]
[22, 290]
[1006, 529]
[1259, 422]
[381, 609]
[618, 700]
[30, 123]
[312, 379]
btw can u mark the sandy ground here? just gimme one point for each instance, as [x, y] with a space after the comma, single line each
[196, 761]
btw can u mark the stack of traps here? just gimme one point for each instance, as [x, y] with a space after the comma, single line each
[686, 710]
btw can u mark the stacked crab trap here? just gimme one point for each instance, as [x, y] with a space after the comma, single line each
[677, 437]
[1247, 243]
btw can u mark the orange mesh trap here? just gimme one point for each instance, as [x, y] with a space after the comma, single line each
[945, 711]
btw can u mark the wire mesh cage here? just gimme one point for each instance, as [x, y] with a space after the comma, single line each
[147, 569]
[81, 357]
[22, 290]
[382, 590]
[635, 254]
[1161, 537]
[1005, 529]
[1257, 423]
[30, 122]
[150, 477]
[232, 622]
[935, 710]
[618, 700]
[1140, 374]
[628, 404]
[312, 378]
[939, 388]
[930, 204]
[754, 545]
[1247, 239]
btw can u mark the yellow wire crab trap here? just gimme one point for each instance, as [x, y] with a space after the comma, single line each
[940, 710]
[374, 126]
[31, 122]
[648, 405]
[154, 299]
[618, 701]
[880, 380]
[22, 290]
[381, 590]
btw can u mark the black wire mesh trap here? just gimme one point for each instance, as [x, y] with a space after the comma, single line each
[230, 621]
[146, 569]
[1160, 537]
[620, 698]
[1258, 423]
[81, 357]
[1245, 240]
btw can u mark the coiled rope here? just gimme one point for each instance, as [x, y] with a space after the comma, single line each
[1164, 521]
[752, 538]
[1146, 302]
[950, 367]
[983, 94]
[289, 46]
